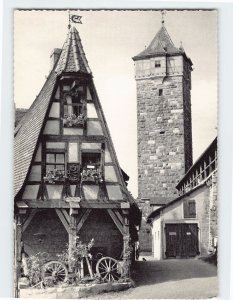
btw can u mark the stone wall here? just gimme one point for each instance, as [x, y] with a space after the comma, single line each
[107, 237]
[162, 151]
[45, 233]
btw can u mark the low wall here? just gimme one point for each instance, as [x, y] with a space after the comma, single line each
[74, 292]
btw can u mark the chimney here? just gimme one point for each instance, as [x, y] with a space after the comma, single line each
[54, 57]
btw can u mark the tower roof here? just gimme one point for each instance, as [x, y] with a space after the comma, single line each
[160, 45]
[72, 57]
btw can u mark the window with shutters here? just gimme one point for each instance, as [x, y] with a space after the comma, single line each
[190, 209]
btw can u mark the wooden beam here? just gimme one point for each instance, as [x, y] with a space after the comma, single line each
[66, 215]
[63, 220]
[119, 216]
[83, 219]
[116, 221]
[29, 219]
[53, 203]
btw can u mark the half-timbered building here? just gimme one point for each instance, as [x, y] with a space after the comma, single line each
[68, 181]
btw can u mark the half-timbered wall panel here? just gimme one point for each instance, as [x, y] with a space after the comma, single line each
[94, 128]
[31, 192]
[91, 111]
[55, 110]
[52, 127]
[114, 192]
[110, 174]
[54, 191]
[91, 192]
[35, 174]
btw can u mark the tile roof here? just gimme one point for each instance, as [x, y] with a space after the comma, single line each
[72, 57]
[19, 114]
[28, 130]
[161, 44]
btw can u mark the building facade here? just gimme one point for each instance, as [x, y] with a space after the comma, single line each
[68, 181]
[187, 226]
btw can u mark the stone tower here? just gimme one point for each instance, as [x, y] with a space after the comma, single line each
[163, 76]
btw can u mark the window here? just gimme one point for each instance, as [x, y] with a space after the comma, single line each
[55, 167]
[55, 161]
[157, 64]
[73, 105]
[189, 209]
[160, 92]
[74, 109]
[91, 167]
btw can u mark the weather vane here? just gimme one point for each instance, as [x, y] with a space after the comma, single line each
[163, 13]
[74, 19]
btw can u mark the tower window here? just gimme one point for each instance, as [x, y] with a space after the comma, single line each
[157, 64]
[160, 92]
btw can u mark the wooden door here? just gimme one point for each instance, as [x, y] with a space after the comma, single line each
[171, 240]
[181, 240]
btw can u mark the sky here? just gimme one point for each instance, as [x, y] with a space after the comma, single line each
[110, 40]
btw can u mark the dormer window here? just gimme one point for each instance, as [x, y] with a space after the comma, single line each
[157, 64]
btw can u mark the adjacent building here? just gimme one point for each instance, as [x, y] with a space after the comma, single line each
[187, 226]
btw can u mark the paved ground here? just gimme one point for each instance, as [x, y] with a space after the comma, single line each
[171, 279]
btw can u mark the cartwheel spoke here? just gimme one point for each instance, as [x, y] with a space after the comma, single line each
[106, 263]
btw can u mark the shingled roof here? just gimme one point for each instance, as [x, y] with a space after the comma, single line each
[71, 59]
[160, 45]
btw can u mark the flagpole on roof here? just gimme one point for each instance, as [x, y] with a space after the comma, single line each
[69, 19]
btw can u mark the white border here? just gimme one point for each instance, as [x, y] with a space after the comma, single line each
[225, 125]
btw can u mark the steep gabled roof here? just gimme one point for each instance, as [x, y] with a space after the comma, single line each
[72, 58]
[160, 45]
[28, 130]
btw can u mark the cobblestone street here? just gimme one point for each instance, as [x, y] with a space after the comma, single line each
[171, 279]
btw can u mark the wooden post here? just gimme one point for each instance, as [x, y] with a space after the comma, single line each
[72, 238]
[126, 238]
[18, 251]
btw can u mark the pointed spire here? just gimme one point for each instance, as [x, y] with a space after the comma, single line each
[72, 58]
[161, 44]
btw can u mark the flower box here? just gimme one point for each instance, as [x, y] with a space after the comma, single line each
[71, 120]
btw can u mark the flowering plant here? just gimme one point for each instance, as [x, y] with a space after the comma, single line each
[74, 254]
[71, 120]
[53, 176]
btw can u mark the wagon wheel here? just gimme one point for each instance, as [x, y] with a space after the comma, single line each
[108, 268]
[54, 272]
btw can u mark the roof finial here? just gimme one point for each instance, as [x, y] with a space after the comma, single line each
[69, 19]
[163, 13]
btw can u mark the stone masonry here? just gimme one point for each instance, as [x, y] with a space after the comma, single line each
[164, 135]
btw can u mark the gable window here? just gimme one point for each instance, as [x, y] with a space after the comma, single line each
[190, 209]
[157, 64]
[74, 109]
